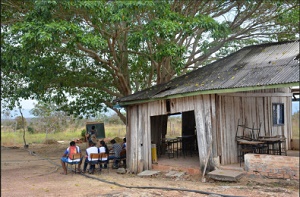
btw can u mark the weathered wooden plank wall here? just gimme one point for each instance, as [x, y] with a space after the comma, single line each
[201, 130]
[139, 134]
[216, 118]
[214, 125]
[255, 107]
[205, 117]
[209, 130]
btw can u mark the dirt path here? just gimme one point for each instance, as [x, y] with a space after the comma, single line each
[24, 173]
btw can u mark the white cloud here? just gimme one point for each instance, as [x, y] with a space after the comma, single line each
[28, 104]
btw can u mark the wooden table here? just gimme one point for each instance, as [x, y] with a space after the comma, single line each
[269, 140]
[250, 144]
[247, 146]
[172, 146]
[241, 142]
[187, 143]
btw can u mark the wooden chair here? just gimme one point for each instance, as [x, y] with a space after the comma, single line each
[103, 156]
[238, 133]
[282, 144]
[95, 159]
[244, 149]
[261, 148]
[245, 133]
[278, 147]
[173, 147]
[74, 161]
[122, 157]
[256, 132]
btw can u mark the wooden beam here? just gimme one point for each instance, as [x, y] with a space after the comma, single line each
[258, 94]
[216, 91]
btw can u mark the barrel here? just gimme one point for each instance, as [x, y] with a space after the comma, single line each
[153, 153]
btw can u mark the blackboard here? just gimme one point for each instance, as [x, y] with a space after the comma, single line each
[100, 131]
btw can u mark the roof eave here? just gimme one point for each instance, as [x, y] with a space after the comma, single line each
[215, 91]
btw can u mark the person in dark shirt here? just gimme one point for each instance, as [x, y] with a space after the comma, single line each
[116, 149]
[124, 143]
[91, 135]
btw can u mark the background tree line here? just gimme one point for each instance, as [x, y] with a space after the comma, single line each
[49, 120]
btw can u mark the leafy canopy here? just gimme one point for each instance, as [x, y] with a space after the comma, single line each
[81, 55]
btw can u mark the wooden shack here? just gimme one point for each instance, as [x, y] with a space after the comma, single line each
[251, 85]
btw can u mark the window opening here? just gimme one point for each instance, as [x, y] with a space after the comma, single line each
[278, 114]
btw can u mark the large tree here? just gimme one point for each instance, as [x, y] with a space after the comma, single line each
[84, 54]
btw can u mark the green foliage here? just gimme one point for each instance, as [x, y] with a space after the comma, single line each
[30, 129]
[20, 123]
[52, 120]
[83, 132]
[81, 55]
[114, 119]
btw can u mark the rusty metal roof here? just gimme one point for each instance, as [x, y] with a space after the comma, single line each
[253, 66]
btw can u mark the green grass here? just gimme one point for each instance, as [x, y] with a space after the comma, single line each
[11, 138]
[16, 138]
[295, 125]
[112, 131]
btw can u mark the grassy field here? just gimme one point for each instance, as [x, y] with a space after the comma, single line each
[295, 126]
[11, 138]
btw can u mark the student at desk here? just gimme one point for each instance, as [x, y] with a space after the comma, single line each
[91, 149]
[104, 149]
[67, 156]
[116, 149]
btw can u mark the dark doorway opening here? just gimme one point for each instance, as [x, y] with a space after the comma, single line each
[174, 136]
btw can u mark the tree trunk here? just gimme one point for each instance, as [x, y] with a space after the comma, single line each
[23, 126]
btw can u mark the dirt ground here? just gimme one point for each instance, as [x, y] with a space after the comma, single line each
[36, 172]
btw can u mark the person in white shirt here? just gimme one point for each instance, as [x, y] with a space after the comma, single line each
[103, 149]
[91, 149]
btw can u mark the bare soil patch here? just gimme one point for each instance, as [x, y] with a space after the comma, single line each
[36, 172]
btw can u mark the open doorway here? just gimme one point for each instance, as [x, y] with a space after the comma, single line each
[174, 125]
[176, 140]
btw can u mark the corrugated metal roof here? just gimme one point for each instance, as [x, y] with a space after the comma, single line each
[253, 66]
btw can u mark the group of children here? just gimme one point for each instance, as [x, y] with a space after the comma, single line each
[117, 149]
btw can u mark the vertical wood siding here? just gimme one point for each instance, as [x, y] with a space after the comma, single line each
[255, 110]
[216, 118]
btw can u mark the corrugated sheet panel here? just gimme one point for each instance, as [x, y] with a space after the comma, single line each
[252, 66]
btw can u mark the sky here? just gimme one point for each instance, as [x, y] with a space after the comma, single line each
[28, 104]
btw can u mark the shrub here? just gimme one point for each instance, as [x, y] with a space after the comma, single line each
[20, 122]
[30, 130]
[83, 133]
[50, 141]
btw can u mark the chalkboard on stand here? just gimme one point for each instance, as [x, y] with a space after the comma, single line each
[100, 131]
